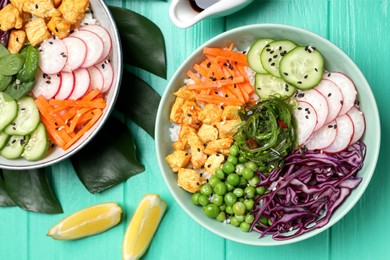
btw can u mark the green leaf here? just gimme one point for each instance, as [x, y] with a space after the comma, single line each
[138, 101]
[143, 42]
[30, 190]
[5, 200]
[109, 159]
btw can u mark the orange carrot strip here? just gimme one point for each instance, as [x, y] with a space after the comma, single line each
[91, 95]
[76, 118]
[98, 113]
[202, 71]
[231, 46]
[194, 77]
[231, 55]
[54, 135]
[84, 118]
[216, 99]
[216, 84]
[78, 103]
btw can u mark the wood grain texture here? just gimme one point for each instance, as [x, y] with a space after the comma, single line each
[359, 27]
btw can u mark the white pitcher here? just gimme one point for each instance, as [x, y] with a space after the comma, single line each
[183, 15]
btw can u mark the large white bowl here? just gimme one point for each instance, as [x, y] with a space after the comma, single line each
[243, 37]
[103, 16]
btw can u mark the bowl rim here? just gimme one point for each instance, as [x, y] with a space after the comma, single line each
[116, 44]
[352, 200]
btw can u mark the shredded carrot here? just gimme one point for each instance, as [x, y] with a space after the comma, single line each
[67, 120]
[226, 54]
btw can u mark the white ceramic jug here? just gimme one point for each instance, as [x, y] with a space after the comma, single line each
[183, 15]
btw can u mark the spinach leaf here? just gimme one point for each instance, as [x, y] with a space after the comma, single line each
[138, 101]
[30, 190]
[108, 159]
[5, 200]
[143, 42]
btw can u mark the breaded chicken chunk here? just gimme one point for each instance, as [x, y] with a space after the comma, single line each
[18, 4]
[198, 157]
[231, 113]
[74, 10]
[214, 162]
[10, 18]
[60, 27]
[17, 39]
[228, 128]
[182, 142]
[190, 180]
[178, 159]
[41, 8]
[186, 94]
[190, 114]
[210, 114]
[37, 31]
[177, 111]
[207, 133]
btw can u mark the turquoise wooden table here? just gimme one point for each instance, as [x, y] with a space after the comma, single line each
[359, 27]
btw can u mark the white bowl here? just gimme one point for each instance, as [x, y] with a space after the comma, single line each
[243, 37]
[56, 154]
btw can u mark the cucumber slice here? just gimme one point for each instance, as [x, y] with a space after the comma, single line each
[8, 110]
[14, 147]
[38, 144]
[253, 55]
[272, 53]
[3, 139]
[302, 67]
[268, 85]
[26, 120]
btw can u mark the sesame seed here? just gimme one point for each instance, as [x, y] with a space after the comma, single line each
[329, 94]
[307, 117]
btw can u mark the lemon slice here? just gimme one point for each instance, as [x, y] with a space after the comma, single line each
[142, 226]
[87, 222]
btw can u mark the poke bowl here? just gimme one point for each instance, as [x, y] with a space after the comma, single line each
[285, 201]
[77, 79]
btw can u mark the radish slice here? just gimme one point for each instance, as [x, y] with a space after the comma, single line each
[323, 137]
[53, 55]
[344, 135]
[97, 80]
[77, 51]
[94, 47]
[347, 87]
[108, 74]
[104, 35]
[359, 123]
[81, 85]
[67, 85]
[318, 102]
[333, 96]
[47, 85]
[306, 118]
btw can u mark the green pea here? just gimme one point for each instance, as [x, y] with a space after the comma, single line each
[220, 188]
[11, 63]
[261, 190]
[229, 186]
[243, 182]
[206, 189]
[203, 200]
[245, 226]
[242, 159]
[232, 159]
[228, 167]
[251, 165]
[239, 208]
[214, 180]
[222, 207]
[211, 210]
[239, 168]
[234, 221]
[253, 182]
[229, 209]
[233, 179]
[239, 192]
[218, 200]
[250, 192]
[249, 204]
[195, 198]
[230, 198]
[248, 173]
[263, 220]
[249, 218]
[240, 218]
[219, 173]
[233, 150]
[221, 216]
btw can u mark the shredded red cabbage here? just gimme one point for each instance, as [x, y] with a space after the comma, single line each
[4, 36]
[306, 191]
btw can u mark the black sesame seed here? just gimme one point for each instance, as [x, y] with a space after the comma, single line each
[209, 165]
[306, 76]
[341, 102]
[316, 69]
[208, 65]
[48, 82]
[103, 66]
[189, 115]
[299, 108]
[198, 149]
[50, 42]
[285, 73]
[275, 56]
[335, 126]
[270, 59]
[299, 82]
[307, 117]
[330, 94]
[273, 64]
[272, 52]
[330, 126]
[329, 74]
[36, 6]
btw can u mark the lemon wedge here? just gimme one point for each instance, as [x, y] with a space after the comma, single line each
[142, 226]
[87, 222]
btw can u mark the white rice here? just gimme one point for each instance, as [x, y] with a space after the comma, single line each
[174, 131]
